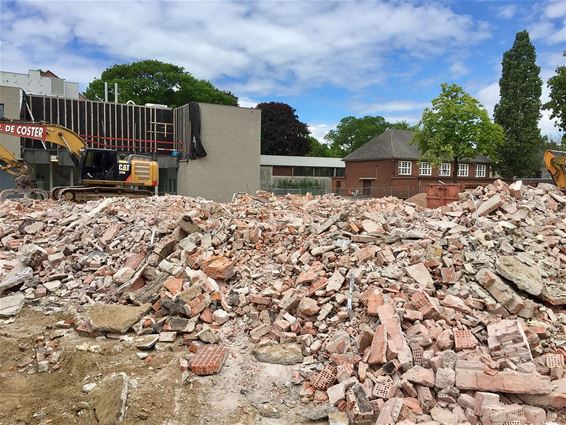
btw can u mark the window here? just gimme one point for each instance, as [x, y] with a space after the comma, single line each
[303, 171]
[324, 172]
[340, 172]
[405, 168]
[425, 169]
[367, 185]
[481, 170]
[1, 110]
[463, 170]
[444, 170]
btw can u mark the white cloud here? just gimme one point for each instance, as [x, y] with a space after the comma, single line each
[550, 27]
[507, 12]
[385, 107]
[489, 96]
[410, 119]
[458, 69]
[318, 131]
[246, 102]
[254, 48]
[555, 9]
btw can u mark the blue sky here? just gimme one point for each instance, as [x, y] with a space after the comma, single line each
[327, 59]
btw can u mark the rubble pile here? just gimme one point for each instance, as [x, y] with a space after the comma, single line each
[387, 312]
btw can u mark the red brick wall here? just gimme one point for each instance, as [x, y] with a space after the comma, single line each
[388, 181]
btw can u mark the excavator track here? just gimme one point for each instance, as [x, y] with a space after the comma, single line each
[89, 193]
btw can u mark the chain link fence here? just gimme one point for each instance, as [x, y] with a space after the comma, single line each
[402, 192]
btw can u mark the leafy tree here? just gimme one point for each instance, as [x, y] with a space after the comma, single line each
[317, 148]
[518, 110]
[281, 131]
[151, 81]
[557, 102]
[352, 132]
[455, 128]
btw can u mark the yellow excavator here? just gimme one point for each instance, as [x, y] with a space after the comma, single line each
[21, 172]
[103, 172]
[555, 162]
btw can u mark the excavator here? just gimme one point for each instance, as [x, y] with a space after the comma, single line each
[555, 162]
[103, 172]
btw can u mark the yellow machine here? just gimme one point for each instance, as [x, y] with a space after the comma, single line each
[103, 172]
[555, 162]
[21, 171]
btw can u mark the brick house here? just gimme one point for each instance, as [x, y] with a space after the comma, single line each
[389, 165]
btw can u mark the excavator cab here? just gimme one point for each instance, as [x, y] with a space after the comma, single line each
[99, 165]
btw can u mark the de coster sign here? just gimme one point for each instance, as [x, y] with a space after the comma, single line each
[32, 131]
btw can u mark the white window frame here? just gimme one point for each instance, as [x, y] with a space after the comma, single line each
[405, 168]
[482, 167]
[445, 169]
[425, 169]
[461, 168]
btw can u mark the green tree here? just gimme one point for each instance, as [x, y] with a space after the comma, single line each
[281, 131]
[352, 132]
[317, 148]
[518, 110]
[152, 81]
[456, 127]
[557, 103]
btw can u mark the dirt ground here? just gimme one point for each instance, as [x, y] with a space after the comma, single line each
[156, 395]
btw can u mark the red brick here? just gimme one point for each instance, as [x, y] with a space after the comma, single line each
[218, 267]
[325, 378]
[198, 304]
[209, 359]
[464, 339]
[259, 299]
[375, 299]
[378, 349]
[206, 315]
[422, 301]
[174, 285]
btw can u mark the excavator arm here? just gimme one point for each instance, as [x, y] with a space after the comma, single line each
[43, 132]
[10, 164]
[555, 162]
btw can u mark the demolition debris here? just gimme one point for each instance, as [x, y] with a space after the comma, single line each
[383, 311]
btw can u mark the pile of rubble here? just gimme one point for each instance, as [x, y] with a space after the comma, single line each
[391, 313]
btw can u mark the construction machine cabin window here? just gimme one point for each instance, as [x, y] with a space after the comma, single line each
[1, 110]
[99, 165]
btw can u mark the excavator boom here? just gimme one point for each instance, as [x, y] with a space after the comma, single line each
[51, 133]
[102, 172]
[555, 162]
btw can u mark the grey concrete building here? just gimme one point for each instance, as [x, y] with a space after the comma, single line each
[231, 137]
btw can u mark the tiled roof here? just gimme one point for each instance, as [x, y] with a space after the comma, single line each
[393, 144]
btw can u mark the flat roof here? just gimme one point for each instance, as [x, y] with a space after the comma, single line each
[301, 161]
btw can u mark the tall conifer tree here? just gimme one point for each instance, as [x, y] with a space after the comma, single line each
[518, 110]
